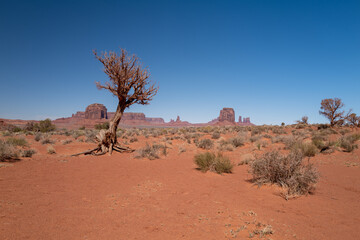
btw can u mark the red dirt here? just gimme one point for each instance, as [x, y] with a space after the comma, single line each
[122, 197]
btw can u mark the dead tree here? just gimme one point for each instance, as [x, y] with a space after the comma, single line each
[129, 83]
[332, 110]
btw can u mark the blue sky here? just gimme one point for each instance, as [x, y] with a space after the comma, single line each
[273, 61]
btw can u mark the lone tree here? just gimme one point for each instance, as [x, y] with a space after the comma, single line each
[332, 110]
[129, 83]
[354, 120]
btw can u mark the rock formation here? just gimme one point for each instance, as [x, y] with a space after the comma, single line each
[96, 111]
[227, 114]
[240, 120]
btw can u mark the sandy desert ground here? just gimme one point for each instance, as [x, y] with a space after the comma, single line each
[55, 196]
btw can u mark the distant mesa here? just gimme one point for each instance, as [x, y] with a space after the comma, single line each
[227, 117]
[227, 114]
[97, 113]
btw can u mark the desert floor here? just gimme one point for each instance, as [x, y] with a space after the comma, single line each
[55, 196]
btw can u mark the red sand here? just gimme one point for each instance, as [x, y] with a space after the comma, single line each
[122, 197]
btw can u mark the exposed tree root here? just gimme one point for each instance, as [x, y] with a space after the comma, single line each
[105, 146]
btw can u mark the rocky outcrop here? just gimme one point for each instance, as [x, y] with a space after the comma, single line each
[133, 117]
[79, 114]
[155, 120]
[227, 114]
[240, 120]
[246, 120]
[96, 111]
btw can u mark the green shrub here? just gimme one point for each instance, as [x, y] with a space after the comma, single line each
[7, 151]
[44, 126]
[286, 171]
[17, 141]
[205, 143]
[216, 163]
[67, 141]
[104, 125]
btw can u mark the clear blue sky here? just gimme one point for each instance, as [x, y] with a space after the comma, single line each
[273, 61]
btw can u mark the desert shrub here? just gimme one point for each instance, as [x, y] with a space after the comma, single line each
[182, 149]
[347, 143]
[17, 141]
[215, 135]
[286, 171]
[104, 125]
[225, 146]
[255, 138]
[28, 153]
[308, 149]
[82, 128]
[237, 141]
[47, 140]
[50, 149]
[133, 139]
[205, 143]
[216, 163]
[37, 137]
[90, 136]
[44, 126]
[67, 141]
[77, 134]
[7, 151]
[149, 151]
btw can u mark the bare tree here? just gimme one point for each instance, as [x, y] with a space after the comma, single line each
[354, 120]
[304, 120]
[332, 110]
[129, 83]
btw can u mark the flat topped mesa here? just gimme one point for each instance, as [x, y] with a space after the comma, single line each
[96, 111]
[227, 114]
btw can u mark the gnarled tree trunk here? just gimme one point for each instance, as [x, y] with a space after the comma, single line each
[107, 139]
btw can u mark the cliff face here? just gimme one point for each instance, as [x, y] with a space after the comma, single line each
[227, 114]
[96, 111]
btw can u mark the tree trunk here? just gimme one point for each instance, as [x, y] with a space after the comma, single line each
[111, 138]
[107, 139]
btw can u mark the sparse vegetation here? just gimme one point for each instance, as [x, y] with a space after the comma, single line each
[205, 143]
[286, 171]
[104, 125]
[17, 142]
[216, 163]
[28, 153]
[347, 143]
[7, 152]
[50, 149]
[150, 151]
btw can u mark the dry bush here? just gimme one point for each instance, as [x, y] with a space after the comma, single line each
[17, 142]
[205, 143]
[150, 151]
[7, 152]
[38, 137]
[347, 143]
[46, 140]
[215, 163]
[50, 149]
[237, 141]
[224, 145]
[215, 135]
[27, 153]
[67, 141]
[286, 171]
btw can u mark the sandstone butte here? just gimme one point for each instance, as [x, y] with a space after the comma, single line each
[97, 113]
